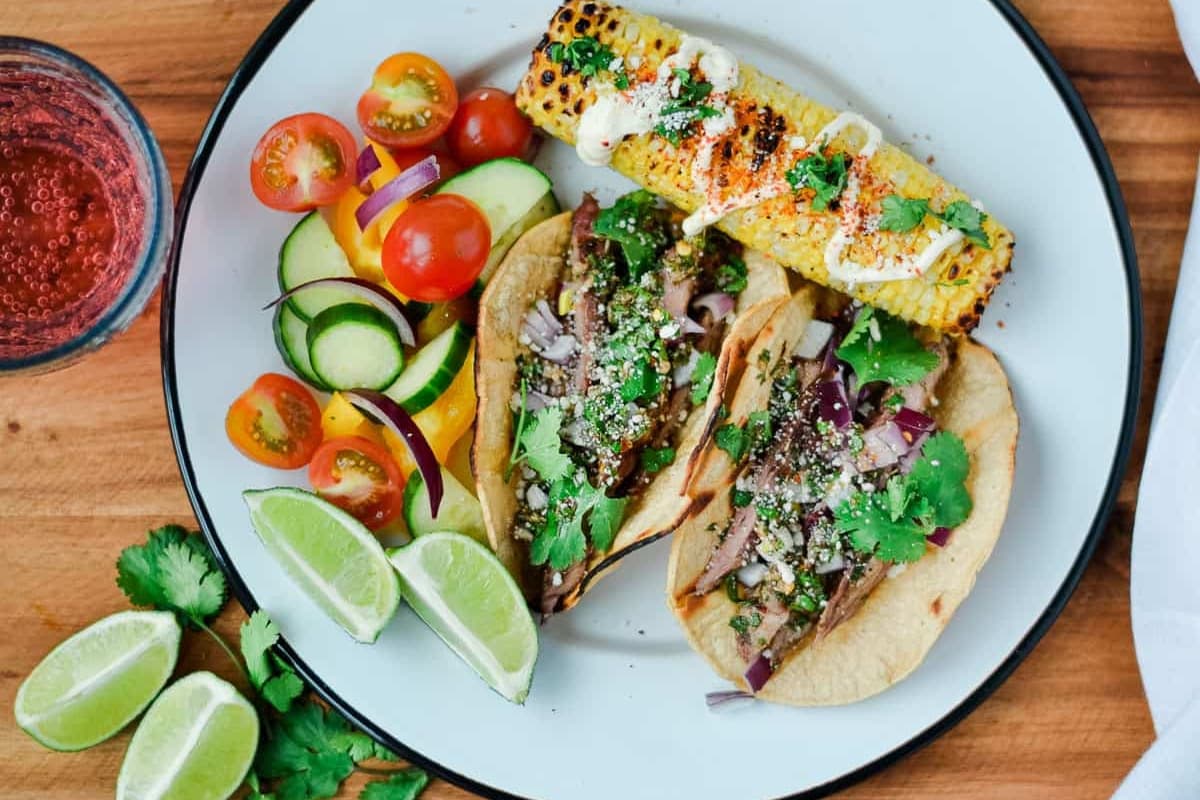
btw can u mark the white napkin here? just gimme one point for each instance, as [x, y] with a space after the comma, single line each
[1164, 590]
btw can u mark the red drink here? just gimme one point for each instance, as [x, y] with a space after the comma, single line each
[76, 180]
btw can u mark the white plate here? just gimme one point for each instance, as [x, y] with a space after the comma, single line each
[617, 707]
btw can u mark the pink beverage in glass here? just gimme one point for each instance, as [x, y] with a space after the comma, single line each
[79, 174]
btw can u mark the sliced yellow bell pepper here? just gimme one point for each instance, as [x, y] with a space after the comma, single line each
[364, 249]
[445, 421]
[459, 460]
[341, 418]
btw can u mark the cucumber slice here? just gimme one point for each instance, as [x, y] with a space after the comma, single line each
[355, 346]
[310, 252]
[291, 337]
[459, 510]
[542, 210]
[432, 369]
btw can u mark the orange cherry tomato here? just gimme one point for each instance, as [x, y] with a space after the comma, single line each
[275, 422]
[410, 102]
[488, 125]
[437, 248]
[360, 477]
[303, 162]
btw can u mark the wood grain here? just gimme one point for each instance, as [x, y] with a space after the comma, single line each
[87, 461]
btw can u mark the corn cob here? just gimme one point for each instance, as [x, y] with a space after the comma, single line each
[950, 295]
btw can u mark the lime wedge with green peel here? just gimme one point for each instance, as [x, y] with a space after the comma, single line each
[330, 555]
[93, 684]
[196, 742]
[465, 594]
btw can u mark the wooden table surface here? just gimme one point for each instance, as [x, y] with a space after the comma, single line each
[86, 463]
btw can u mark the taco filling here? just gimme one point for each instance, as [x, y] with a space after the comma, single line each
[611, 364]
[842, 478]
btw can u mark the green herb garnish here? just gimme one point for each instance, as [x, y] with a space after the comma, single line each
[733, 440]
[825, 176]
[702, 377]
[629, 223]
[588, 57]
[897, 357]
[732, 276]
[902, 214]
[656, 459]
[562, 541]
[743, 624]
[679, 117]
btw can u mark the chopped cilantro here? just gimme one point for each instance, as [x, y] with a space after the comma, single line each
[742, 624]
[631, 224]
[731, 588]
[702, 377]
[656, 459]
[967, 218]
[825, 176]
[902, 214]
[643, 383]
[895, 402]
[562, 542]
[893, 524]
[732, 276]
[539, 444]
[588, 57]
[758, 426]
[680, 115]
[733, 440]
[897, 357]
[740, 497]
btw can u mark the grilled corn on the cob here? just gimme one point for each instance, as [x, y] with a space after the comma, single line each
[771, 126]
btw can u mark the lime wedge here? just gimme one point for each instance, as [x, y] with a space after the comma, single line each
[330, 555]
[195, 743]
[93, 684]
[465, 594]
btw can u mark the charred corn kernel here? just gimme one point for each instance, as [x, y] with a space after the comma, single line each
[772, 123]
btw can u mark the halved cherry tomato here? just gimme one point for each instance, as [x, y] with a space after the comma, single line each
[447, 166]
[303, 162]
[437, 248]
[360, 477]
[275, 422]
[410, 102]
[488, 125]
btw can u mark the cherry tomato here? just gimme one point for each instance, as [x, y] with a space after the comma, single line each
[447, 166]
[275, 422]
[303, 162]
[410, 102]
[360, 477]
[437, 248]
[488, 125]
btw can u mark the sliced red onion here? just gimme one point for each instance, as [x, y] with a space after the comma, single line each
[752, 574]
[939, 537]
[914, 423]
[389, 412]
[683, 373]
[719, 304]
[834, 406]
[402, 187]
[547, 314]
[832, 565]
[883, 445]
[373, 293]
[364, 168]
[676, 294]
[689, 326]
[758, 673]
[816, 336]
[728, 699]
[560, 350]
[913, 454]
[830, 360]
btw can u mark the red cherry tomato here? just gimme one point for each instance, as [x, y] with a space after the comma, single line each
[488, 125]
[410, 102]
[360, 477]
[275, 422]
[448, 166]
[303, 162]
[437, 248]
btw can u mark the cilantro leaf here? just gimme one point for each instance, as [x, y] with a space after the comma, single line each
[732, 277]
[355, 744]
[967, 218]
[405, 784]
[587, 56]
[896, 357]
[868, 520]
[306, 751]
[825, 176]
[733, 440]
[939, 476]
[680, 115]
[702, 377]
[656, 459]
[273, 679]
[628, 223]
[902, 214]
[282, 690]
[174, 571]
[562, 541]
[604, 519]
[541, 446]
[740, 497]
[758, 427]
[643, 383]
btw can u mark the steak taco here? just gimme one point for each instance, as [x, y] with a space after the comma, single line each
[605, 342]
[848, 500]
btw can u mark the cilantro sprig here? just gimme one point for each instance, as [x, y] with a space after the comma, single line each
[893, 524]
[702, 377]
[734, 440]
[827, 177]
[902, 214]
[538, 442]
[562, 541]
[587, 56]
[880, 347]
[679, 117]
[631, 224]
[732, 277]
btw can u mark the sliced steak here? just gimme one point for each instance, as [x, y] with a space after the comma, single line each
[849, 596]
[551, 594]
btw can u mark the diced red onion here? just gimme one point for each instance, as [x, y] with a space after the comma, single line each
[541, 326]
[373, 293]
[832, 565]
[727, 700]
[816, 335]
[364, 168]
[914, 423]
[834, 407]
[830, 361]
[402, 187]
[752, 574]
[389, 412]
[758, 673]
[560, 350]
[536, 401]
[913, 454]
[883, 445]
[689, 326]
[683, 373]
[939, 537]
[676, 294]
[719, 304]
[547, 314]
